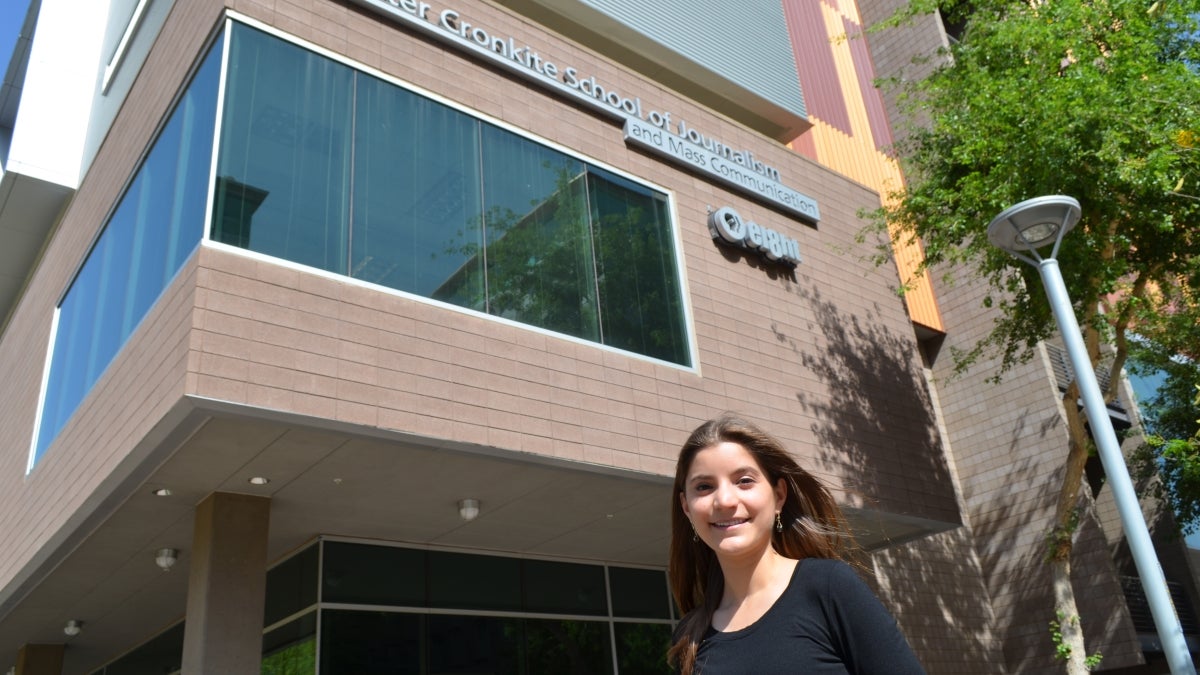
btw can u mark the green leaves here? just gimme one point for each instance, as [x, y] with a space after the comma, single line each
[1087, 99]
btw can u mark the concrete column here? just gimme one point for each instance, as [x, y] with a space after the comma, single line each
[40, 660]
[226, 586]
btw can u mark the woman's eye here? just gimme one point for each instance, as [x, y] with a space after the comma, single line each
[745, 480]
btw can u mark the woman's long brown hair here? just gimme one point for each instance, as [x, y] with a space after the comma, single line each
[814, 527]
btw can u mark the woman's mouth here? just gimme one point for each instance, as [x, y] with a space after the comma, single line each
[725, 524]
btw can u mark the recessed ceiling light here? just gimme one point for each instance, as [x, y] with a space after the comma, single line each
[259, 480]
[162, 492]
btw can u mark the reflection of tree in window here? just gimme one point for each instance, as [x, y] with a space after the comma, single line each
[642, 648]
[594, 259]
[640, 307]
[569, 647]
[538, 261]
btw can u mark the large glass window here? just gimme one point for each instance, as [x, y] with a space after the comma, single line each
[642, 648]
[540, 269]
[329, 167]
[416, 206]
[291, 587]
[371, 642]
[635, 265]
[375, 575]
[291, 649]
[154, 227]
[284, 173]
[639, 593]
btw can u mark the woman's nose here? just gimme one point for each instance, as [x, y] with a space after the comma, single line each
[723, 496]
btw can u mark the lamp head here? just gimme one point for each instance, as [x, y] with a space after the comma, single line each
[73, 628]
[468, 509]
[165, 558]
[1033, 223]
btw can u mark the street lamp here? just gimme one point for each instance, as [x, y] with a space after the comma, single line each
[1021, 230]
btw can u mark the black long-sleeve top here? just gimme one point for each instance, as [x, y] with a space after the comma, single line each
[826, 622]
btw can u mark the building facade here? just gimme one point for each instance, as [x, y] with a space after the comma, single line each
[360, 336]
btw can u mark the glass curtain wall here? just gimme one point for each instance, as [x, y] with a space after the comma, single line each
[157, 223]
[333, 168]
[390, 609]
[346, 607]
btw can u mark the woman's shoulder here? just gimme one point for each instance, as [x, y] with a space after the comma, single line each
[824, 577]
[823, 568]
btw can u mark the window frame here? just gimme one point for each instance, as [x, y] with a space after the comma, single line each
[688, 324]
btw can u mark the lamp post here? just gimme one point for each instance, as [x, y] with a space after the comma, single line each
[1021, 230]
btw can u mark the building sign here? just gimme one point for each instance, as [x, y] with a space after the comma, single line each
[736, 169]
[727, 226]
[657, 131]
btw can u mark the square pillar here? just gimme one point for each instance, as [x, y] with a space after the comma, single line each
[226, 586]
[40, 660]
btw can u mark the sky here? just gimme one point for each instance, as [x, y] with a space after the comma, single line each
[12, 15]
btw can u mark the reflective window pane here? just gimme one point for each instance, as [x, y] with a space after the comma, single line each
[462, 581]
[568, 647]
[539, 254]
[564, 588]
[284, 169]
[291, 586]
[370, 643]
[373, 575]
[291, 649]
[639, 594]
[642, 648]
[417, 222]
[640, 306]
[469, 645]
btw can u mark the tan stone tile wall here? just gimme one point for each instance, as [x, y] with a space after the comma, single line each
[936, 591]
[1009, 441]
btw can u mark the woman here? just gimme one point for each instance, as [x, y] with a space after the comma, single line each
[756, 547]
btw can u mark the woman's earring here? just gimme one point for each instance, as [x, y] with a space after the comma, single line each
[778, 523]
[695, 537]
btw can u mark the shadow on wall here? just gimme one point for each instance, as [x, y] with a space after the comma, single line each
[936, 592]
[1012, 503]
[874, 425]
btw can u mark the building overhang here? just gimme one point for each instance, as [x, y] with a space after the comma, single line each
[29, 208]
[327, 478]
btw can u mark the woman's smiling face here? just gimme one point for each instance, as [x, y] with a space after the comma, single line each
[730, 502]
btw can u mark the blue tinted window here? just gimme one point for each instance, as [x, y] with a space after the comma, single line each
[155, 226]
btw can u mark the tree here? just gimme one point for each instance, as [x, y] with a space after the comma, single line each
[1094, 99]
[1171, 454]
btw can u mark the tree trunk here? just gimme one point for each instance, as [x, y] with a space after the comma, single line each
[1071, 642]
[1061, 539]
